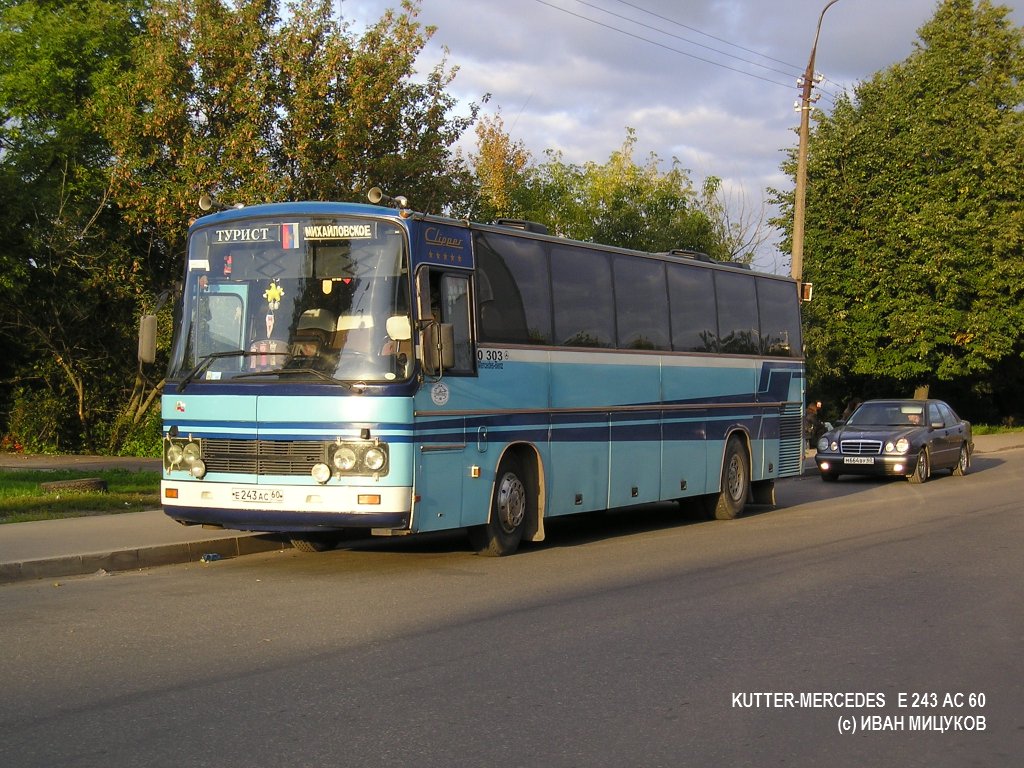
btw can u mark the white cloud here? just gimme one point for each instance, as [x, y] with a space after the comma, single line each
[572, 85]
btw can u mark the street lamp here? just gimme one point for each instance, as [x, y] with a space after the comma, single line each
[796, 267]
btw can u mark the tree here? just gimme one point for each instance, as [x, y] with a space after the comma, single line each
[235, 100]
[739, 229]
[619, 203]
[72, 278]
[502, 168]
[115, 115]
[915, 223]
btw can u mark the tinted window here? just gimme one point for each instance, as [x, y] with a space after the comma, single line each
[641, 303]
[513, 290]
[780, 318]
[692, 301]
[454, 301]
[946, 415]
[584, 314]
[737, 313]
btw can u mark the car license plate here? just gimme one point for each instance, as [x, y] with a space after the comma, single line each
[258, 495]
[858, 460]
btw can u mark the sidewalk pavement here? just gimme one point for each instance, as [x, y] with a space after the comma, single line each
[82, 545]
[75, 546]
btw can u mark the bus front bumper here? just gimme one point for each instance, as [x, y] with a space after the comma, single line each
[287, 508]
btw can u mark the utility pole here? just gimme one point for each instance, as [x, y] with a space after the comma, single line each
[806, 83]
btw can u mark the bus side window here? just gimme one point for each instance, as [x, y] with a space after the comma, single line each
[455, 309]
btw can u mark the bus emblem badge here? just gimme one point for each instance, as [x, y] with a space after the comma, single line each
[439, 394]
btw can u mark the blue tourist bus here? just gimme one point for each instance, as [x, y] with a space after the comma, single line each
[343, 368]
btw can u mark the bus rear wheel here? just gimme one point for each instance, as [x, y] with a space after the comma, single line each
[510, 504]
[732, 498]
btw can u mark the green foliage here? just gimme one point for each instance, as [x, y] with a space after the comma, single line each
[71, 275]
[915, 223]
[234, 99]
[116, 114]
[617, 203]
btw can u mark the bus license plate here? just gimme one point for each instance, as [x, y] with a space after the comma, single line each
[858, 460]
[258, 495]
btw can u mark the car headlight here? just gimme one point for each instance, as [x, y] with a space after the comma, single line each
[902, 445]
[823, 444]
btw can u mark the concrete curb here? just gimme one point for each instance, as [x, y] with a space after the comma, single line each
[135, 558]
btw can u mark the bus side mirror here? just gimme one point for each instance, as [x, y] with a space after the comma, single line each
[437, 348]
[147, 339]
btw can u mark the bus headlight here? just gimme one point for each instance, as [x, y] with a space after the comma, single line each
[185, 455]
[374, 459]
[174, 455]
[344, 459]
[191, 454]
[348, 459]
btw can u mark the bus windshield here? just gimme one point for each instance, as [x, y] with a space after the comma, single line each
[308, 298]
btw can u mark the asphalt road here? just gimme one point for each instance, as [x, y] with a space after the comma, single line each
[650, 638]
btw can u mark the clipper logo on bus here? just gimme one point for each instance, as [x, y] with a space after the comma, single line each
[441, 244]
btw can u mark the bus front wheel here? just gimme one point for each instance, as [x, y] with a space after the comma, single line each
[728, 503]
[503, 531]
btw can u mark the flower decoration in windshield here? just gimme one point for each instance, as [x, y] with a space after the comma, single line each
[273, 295]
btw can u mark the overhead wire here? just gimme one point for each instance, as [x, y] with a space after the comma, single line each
[795, 71]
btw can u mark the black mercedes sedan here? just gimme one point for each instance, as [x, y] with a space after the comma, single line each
[910, 438]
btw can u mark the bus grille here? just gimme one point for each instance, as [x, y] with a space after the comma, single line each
[262, 457]
[861, 447]
[791, 441]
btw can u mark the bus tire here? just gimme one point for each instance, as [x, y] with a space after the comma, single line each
[730, 500]
[510, 507]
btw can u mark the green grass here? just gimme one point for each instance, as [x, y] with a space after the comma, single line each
[22, 499]
[993, 429]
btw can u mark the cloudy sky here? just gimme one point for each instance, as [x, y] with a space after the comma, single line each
[710, 82]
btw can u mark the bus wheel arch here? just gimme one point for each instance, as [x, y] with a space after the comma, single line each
[735, 487]
[516, 504]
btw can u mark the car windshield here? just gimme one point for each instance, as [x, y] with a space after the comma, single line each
[888, 415]
[321, 299]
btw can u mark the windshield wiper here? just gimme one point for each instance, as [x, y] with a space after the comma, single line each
[206, 362]
[291, 371]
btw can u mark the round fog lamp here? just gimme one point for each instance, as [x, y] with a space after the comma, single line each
[320, 472]
[197, 468]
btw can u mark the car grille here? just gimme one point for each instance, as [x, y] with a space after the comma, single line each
[262, 457]
[861, 447]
